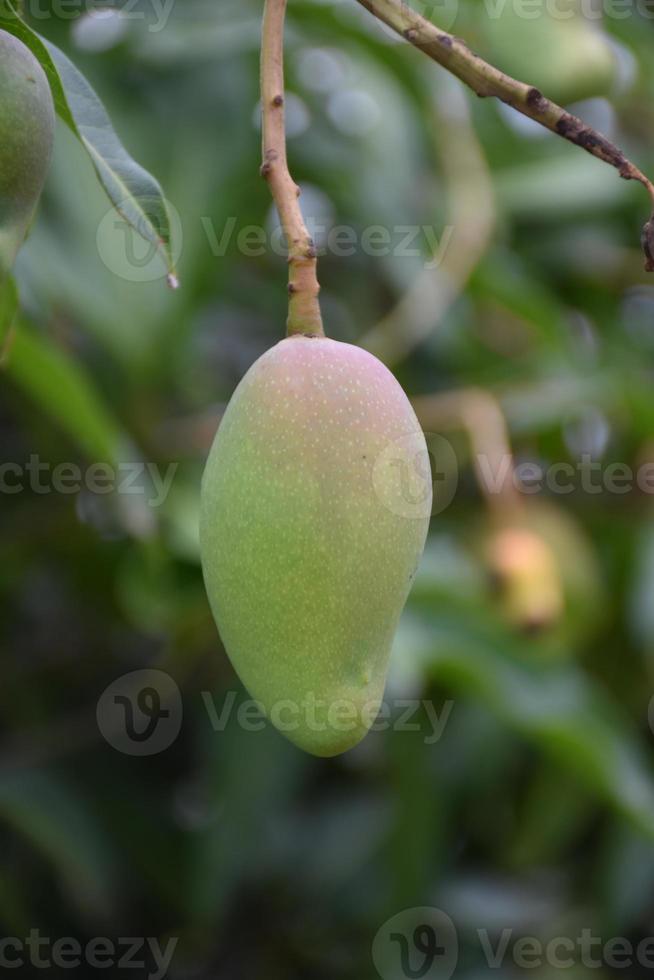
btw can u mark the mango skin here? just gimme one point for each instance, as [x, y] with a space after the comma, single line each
[316, 501]
[563, 55]
[27, 122]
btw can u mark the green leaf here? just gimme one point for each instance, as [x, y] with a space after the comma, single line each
[556, 706]
[58, 822]
[135, 194]
[13, 901]
[8, 311]
[64, 392]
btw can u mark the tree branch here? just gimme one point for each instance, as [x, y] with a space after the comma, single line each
[487, 81]
[303, 288]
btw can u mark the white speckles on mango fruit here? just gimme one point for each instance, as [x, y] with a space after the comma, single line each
[307, 562]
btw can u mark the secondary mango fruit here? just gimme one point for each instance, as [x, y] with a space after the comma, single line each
[316, 501]
[528, 578]
[546, 578]
[27, 122]
[562, 52]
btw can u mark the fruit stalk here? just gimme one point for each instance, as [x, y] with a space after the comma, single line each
[303, 288]
[485, 80]
[478, 413]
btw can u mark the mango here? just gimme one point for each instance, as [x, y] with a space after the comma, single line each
[316, 501]
[528, 578]
[559, 51]
[27, 121]
[547, 578]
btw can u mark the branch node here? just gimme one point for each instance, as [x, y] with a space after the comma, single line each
[647, 241]
[536, 100]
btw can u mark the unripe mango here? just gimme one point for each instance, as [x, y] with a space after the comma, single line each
[26, 137]
[528, 577]
[560, 51]
[315, 506]
[546, 578]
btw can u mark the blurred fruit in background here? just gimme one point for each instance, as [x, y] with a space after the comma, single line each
[557, 48]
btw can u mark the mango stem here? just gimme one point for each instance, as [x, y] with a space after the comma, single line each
[303, 288]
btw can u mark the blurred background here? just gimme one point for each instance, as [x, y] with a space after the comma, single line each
[506, 291]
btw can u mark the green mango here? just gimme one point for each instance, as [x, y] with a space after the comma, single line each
[546, 578]
[527, 578]
[27, 121]
[316, 501]
[560, 52]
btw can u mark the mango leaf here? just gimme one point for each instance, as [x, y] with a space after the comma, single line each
[58, 823]
[65, 393]
[13, 901]
[249, 809]
[556, 706]
[134, 193]
[8, 311]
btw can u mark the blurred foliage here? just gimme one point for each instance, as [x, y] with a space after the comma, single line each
[535, 810]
